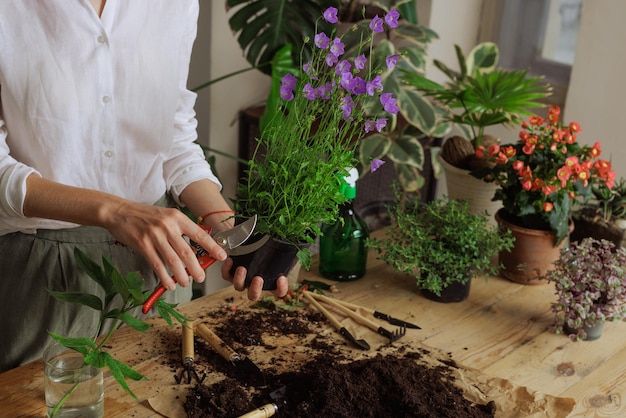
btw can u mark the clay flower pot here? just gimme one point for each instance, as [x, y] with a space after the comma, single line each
[461, 185]
[532, 254]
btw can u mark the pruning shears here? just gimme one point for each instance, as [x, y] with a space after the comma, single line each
[228, 239]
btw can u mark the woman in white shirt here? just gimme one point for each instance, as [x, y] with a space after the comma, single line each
[97, 131]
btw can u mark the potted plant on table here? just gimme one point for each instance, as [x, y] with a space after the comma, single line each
[442, 245]
[537, 179]
[590, 282]
[477, 96]
[74, 381]
[293, 182]
[603, 216]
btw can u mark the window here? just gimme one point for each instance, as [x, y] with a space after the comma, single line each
[537, 35]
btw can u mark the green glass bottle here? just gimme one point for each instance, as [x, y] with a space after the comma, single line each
[343, 254]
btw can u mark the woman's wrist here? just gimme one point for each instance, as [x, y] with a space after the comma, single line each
[216, 216]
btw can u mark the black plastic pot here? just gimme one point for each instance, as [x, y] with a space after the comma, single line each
[274, 259]
[455, 292]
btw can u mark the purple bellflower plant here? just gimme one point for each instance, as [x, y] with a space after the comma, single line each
[305, 150]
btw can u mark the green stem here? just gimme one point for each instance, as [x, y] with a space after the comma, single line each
[63, 399]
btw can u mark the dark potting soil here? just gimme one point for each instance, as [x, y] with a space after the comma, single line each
[327, 382]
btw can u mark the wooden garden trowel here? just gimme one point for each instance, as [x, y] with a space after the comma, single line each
[244, 367]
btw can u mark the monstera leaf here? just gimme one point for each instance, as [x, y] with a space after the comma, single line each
[265, 26]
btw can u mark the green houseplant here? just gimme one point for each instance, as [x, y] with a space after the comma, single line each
[475, 97]
[537, 179]
[293, 182]
[441, 244]
[272, 43]
[121, 295]
[603, 215]
[590, 284]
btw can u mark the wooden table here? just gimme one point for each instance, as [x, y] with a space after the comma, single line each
[500, 330]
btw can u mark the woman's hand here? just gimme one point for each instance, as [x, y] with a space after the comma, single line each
[256, 285]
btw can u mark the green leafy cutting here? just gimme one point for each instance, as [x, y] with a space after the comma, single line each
[122, 294]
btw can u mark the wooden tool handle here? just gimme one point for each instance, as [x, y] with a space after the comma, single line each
[323, 310]
[265, 411]
[216, 342]
[355, 316]
[188, 349]
[353, 305]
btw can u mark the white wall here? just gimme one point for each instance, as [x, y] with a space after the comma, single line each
[597, 87]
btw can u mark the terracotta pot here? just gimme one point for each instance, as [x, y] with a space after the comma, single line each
[462, 185]
[455, 292]
[532, 255]
[274, 259]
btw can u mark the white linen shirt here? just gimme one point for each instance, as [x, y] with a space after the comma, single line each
[98, 103]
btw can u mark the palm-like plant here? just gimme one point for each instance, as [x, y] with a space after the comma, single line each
[481, 95]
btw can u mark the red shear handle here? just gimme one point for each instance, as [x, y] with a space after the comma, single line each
[205, 261]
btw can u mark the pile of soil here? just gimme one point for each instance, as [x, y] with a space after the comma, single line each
[323, 377]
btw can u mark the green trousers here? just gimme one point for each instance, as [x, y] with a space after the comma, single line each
[32, 264]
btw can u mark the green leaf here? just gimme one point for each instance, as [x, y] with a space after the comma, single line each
[93, 270]
[305, 258]
[373, 147]
[80, 344]
[167, 312]
[407, 150]
[483, 58]
[120, 371]
[265, 26]
[410, 178]
[92, 301]
[134, 323]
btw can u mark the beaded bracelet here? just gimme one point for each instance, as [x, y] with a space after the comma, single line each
[206, 215]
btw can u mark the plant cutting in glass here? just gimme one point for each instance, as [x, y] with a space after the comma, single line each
[293, 181]
[122, 295]
[590, 282]
[541, 175]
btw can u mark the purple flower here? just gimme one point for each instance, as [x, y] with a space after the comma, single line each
[331, 59]
[307, 67]
[391, 61]
[287, 84]
[330, 15]
[389, 103]
[288, 80]
[309, 91]
[321, 40]
[346, 80]
[360, 61]
[359, 86]
[370, 125]
[374, 85]
[376, 25]
[380, 124]
[392, 18]
[324, 91]
[376, 164]
[344, 66]
[286, 93]
[337, 47]
[346, 106]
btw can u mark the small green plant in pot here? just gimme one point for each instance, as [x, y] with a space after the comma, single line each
[590, 284]
[293, 181]
[603, 215]
[440, 243]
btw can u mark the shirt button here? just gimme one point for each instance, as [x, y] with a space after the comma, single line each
[108, 154]
[102, 39]
[106, 99]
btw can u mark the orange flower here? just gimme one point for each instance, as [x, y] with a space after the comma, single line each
[480, 151]
[547, 206]
[574, 127]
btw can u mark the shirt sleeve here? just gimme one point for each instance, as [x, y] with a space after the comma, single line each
[186, 162]
[13, 175]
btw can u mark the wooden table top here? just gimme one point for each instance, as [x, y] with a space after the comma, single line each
[501, 330]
